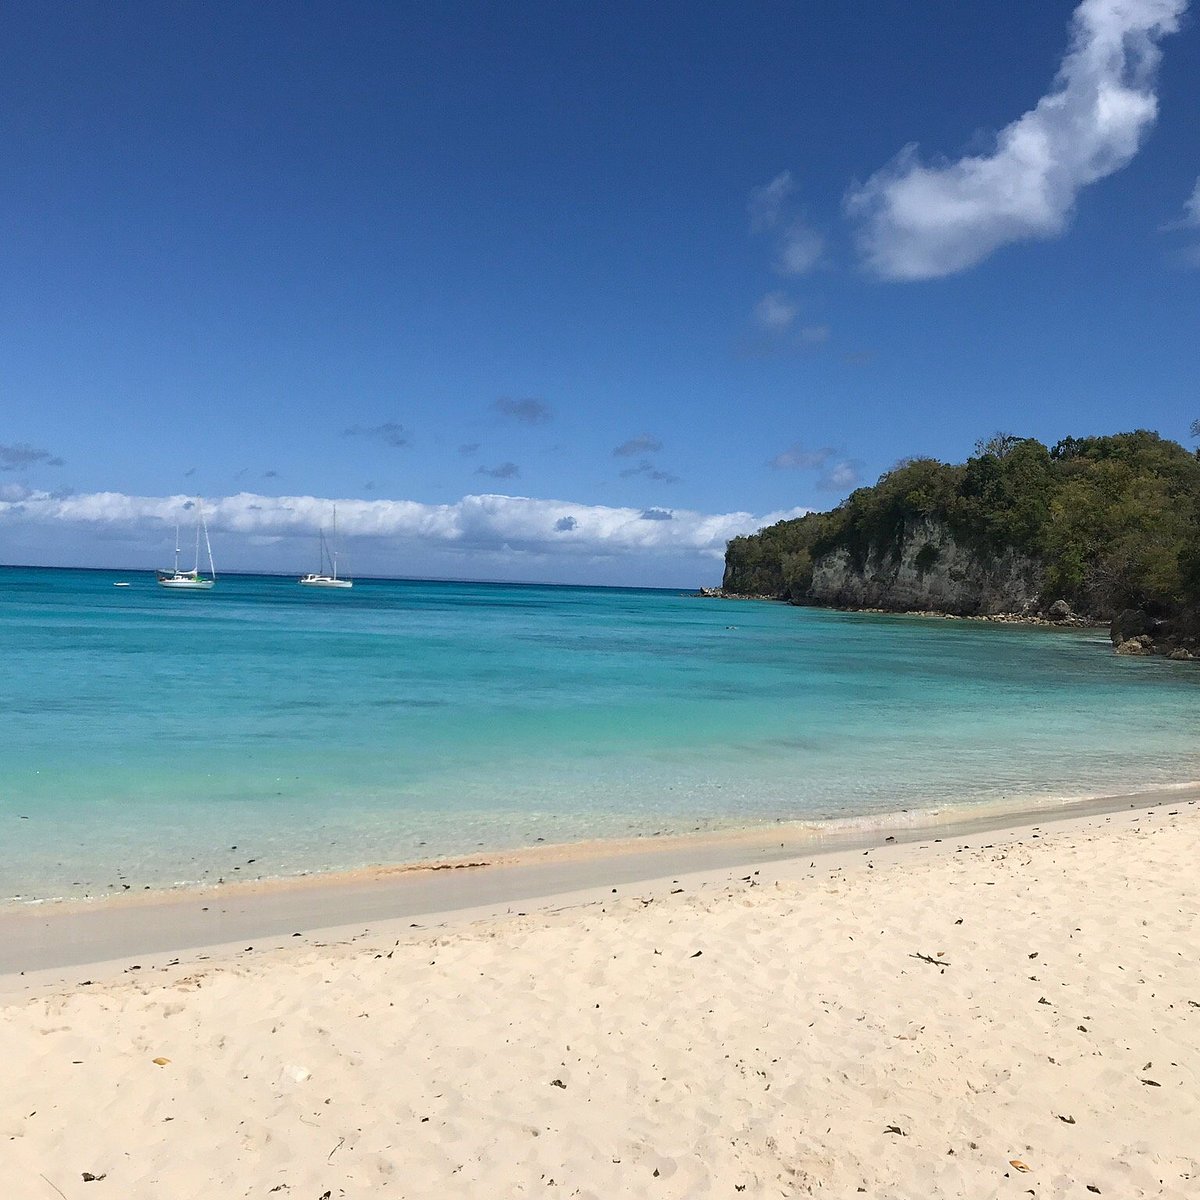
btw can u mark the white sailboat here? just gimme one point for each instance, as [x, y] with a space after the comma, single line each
[190, 581]
[328, 552]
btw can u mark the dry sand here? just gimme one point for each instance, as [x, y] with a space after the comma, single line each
[779, 1033]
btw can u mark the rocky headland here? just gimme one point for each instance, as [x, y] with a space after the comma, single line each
[1091, 532]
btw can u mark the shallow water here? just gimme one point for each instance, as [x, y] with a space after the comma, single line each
[154, 738]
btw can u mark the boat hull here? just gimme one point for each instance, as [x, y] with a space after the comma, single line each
[186, 585]
[323, 581]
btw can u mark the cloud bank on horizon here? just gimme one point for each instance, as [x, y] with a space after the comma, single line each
[557, 528]
[923, 222]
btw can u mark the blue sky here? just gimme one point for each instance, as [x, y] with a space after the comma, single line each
[441, 262]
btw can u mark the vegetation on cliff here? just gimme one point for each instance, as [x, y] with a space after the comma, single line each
[1113, 521]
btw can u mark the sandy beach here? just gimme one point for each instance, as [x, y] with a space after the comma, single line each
[1015, 1012]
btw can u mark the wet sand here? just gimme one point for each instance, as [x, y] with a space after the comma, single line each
[40, 939]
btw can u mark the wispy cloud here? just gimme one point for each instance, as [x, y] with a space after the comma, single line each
[390, 433]
[467, 449]
[922, 222]
[841, 476]
[270, 475]
[1191, 208]
[485, 523]
[642, 444]
[772, 210]
[650, 471]
[766, 203]
[797, 458]
[1189, 256]
[20, 455]
[506, 470]
[800, 249]
[529, 410]
[776, 311]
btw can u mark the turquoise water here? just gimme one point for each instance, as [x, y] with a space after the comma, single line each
[147, 733]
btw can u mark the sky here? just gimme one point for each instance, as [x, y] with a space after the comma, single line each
[570, 292]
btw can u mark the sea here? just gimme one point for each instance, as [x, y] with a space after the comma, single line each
[154, 739]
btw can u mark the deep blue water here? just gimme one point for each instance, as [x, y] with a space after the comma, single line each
[145, 733]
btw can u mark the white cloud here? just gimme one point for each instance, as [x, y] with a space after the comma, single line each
[486, 523]
[922, 222]
[775, 311]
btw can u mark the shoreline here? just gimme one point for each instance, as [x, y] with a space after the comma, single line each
[45, 943]
[1036, 620]
[827, 834]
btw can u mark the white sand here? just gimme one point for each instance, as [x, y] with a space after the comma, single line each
[593, 1051]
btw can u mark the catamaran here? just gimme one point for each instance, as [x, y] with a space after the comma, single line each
[327, 552]
[191, 581]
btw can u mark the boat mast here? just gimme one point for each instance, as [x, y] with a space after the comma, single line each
[176, 547]
[212, 570]
[333, 545]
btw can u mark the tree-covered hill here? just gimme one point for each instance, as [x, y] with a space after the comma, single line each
[1109, 524]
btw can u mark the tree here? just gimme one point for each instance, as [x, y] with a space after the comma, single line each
[999, 445]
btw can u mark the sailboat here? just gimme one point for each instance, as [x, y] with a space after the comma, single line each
[191, 581]
[327, 552]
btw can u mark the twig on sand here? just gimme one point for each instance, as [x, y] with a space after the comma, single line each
[55, 1187]
[936, 962]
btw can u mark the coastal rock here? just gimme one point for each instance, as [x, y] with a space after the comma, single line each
[1060, 610]
[1131, 623]
[1135, 646]
[1137, 632]
[928, 570]
[720, 593]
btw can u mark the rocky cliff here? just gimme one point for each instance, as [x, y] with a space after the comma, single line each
[929, 571]
[1104, 527]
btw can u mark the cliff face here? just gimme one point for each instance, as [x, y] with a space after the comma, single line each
[930, 571]
[1101, 527]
